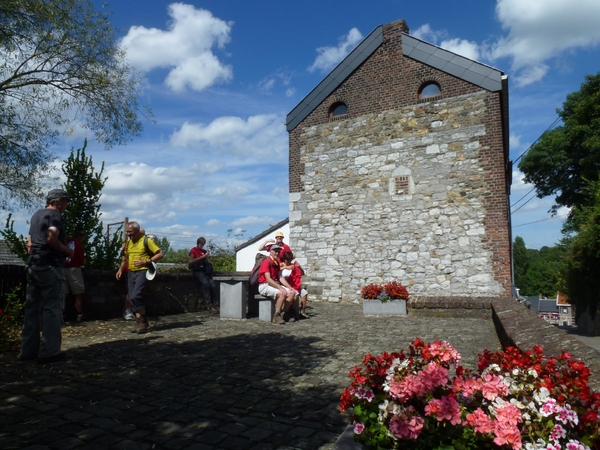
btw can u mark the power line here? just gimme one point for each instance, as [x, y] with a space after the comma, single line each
[512, 212]
[517, 202]
[535, 142]
[541, 220]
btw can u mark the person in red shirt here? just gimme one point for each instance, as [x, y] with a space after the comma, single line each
[292, 272]
[202, 270]
[279, 241]
[74, 276]
[271, 286]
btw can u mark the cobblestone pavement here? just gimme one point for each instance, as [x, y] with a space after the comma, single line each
[200, 382]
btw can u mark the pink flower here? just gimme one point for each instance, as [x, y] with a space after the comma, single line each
[576, 445]
[358, 427]
[507, 434]
[444, 352]
[446, 408]
[492, 387]
[509, 414]
[558, 433]
[407, 425]
[480, 422]
[548, 408]
[566, 415]
[433, 376]
[467, 387]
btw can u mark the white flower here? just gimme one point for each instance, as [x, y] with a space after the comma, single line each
[542, 395]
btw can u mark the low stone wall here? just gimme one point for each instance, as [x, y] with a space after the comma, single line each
[168, 293]
[518, 326]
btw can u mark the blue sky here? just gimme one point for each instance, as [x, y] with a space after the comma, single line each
[222, 75]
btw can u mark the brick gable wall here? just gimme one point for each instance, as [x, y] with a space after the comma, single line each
[385, 84]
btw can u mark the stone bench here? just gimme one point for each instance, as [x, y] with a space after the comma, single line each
[233, 291]
[266, 307]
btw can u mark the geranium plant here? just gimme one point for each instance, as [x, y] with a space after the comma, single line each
[425, 399]
[391, 290]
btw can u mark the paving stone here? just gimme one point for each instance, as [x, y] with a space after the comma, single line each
[210, 384]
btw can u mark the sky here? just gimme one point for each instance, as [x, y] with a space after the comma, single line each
[221, 76]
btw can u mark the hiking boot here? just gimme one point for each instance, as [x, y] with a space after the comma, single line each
[291, 319]
[278, 319]
[142, 326]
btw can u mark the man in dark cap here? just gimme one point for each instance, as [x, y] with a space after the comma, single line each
[45, 279]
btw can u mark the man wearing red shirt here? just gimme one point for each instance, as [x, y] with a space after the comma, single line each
[269, 286]
[74, 276]
[277, 241]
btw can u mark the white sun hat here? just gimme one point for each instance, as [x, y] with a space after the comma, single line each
[151, 272]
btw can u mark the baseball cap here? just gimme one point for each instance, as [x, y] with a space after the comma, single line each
[56, 194]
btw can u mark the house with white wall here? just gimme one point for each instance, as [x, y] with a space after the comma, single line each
[245, 253]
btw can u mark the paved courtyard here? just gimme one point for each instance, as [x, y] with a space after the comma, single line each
[200, 382]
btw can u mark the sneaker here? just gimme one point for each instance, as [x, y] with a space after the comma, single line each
[80, 317]
[129, 315]
[278, 319]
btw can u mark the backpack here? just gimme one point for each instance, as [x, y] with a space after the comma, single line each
[146, 237]
[254, 274]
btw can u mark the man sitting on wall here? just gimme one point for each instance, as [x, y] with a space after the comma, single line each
[269, 286]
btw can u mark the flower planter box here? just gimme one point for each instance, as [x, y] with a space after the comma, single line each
[390, 308]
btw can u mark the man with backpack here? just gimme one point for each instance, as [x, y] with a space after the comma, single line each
[269, 286]
[141, 255]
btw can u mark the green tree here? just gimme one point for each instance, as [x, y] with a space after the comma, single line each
[164, 244]
[16, 243]
[84, 186]
[521, 263]
[566, 158]
[583, 261]
[60, 66]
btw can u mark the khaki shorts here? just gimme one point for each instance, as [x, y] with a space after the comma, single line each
[74, 281]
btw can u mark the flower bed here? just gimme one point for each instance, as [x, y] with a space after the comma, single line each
[391, 290]
[514, 400]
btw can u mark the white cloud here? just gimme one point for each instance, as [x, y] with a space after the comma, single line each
[261, 136]
[541, 30]
[253, 220]
[329, 57]
[462, 47]
[185, 48]
[213, 222]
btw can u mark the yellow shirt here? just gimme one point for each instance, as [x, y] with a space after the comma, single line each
[136, 250]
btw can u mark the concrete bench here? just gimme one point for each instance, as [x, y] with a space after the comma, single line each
[266, 307]
[234, 293]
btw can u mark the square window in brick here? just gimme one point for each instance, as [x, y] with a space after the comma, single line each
[401, 185]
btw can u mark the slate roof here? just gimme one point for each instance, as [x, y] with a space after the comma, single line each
[7, 258]
[543, 305]
[262, 235]
[467, 69]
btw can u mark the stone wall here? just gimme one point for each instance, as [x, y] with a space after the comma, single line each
[350, 226]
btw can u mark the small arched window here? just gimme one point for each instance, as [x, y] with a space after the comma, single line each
[429, 89]
[338, 109]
